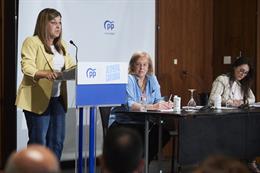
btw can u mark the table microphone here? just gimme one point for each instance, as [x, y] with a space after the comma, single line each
[71, 42]
[244, 106]
[206, 108]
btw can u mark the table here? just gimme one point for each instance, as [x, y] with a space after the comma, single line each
[200, 134]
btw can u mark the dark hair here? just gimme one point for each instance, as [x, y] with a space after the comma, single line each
[40, 30]
[221, 164]
[122, 150]
[135, 57]
[247, 80]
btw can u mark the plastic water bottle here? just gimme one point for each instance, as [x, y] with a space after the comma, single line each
[143, 104]
[177, 103]
[217, 102]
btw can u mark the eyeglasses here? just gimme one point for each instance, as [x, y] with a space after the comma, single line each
[243, 71]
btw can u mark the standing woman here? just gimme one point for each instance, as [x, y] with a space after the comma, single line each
[234, 87]
[42, 98]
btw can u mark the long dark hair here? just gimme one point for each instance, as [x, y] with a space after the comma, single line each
[247, 80]
[40, 30]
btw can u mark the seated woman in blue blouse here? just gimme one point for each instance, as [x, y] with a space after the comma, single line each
[143, 86]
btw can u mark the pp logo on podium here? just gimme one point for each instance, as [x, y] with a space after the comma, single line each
[91, 73]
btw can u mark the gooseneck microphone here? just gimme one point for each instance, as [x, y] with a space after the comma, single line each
[71, 42]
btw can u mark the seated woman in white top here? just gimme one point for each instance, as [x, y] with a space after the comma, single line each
[234, 87]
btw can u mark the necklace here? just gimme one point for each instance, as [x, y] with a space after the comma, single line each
[142, 85]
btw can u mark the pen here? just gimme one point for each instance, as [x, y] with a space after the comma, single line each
[170, 98]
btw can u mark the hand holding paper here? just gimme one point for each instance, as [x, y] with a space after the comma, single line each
[68, 74]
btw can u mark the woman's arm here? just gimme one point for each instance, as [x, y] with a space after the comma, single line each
[28, 62]
[50, 75]
[29, 53]
[217, 89]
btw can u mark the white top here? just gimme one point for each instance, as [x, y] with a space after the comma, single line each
[58, 64]
[221, 86]
[235, 93]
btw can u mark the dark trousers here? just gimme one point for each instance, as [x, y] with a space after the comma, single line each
[153, 136]
[48, 128]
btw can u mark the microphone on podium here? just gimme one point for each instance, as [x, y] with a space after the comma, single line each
[71, 42]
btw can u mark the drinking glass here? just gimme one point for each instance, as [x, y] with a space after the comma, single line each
[191, 102]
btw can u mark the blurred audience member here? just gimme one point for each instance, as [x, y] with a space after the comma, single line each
[122, 151]
[221, 164]
[33, 159]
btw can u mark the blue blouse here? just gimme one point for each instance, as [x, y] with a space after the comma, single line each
[134, 93]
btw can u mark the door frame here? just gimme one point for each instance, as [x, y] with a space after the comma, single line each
[258, 53]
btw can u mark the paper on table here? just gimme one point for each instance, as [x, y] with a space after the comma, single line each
[228, 108]
[68, 74]
[192, 107]
[166, 110]
[257, 104]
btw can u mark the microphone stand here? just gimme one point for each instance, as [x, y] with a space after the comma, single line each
[92, 132]
[76, 56]
[80, 130]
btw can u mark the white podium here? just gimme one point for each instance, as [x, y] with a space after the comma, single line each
[97, 83]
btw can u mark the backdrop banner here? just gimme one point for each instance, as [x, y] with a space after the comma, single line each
[103, 30]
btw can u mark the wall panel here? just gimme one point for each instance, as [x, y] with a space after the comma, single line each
[234, 32]
[7, 81]
[184, 35]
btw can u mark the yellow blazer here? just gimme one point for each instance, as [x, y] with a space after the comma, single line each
[34, 95]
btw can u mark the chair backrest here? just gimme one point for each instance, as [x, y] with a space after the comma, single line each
[104, 113]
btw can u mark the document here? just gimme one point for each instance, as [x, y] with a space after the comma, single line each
[257, 104]
[192, 107]
[166, 110]
[68, 74]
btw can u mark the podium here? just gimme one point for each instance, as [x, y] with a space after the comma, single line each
[97, 84]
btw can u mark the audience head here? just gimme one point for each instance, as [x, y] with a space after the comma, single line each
[33, 159]
[140, 64]
[243, 72]
[221, 164]
[122, 151]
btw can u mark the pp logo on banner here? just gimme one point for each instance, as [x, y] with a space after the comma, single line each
[109, 25]
[91, 73]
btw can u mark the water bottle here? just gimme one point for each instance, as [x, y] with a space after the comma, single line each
[217, 102]
[177, 103]
[143, 104]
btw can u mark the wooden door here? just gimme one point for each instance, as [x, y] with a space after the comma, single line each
[184, 36]
[235, 24]
[258, 54]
